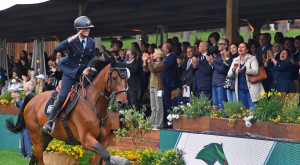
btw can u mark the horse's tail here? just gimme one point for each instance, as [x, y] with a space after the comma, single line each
[20, 125]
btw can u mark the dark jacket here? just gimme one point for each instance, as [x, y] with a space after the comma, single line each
[188, 74]
[281, 74]
[135, 68]
[295, 73]
[169, 72]
[260, 52]
[267, 82]
[77, 58]
[203, 76]
[22, 103]
[220, 70]
[232, 56]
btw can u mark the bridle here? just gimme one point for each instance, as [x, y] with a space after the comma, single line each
[122, 73]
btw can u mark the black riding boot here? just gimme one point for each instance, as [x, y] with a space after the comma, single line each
[55, 110]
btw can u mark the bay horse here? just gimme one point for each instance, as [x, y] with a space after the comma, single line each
[85, 122]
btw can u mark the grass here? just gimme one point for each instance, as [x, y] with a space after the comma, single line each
[8, 157]
[12, 158]
[202, 35]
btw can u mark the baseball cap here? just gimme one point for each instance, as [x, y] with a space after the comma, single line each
[40, 76]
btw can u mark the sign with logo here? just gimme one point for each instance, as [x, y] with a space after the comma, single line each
[204, 149]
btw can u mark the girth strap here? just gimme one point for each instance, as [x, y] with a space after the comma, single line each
[71, 138]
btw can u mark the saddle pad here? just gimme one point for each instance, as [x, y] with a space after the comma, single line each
[67, 109]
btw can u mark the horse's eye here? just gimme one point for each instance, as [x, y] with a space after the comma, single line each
[114, 78]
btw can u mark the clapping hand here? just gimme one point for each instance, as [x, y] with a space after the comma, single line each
[23, 62]
[235, 66]
[15, 96]
[145, 57]
[241, 69]
[269, 55]
[224, 55]
[210, 59]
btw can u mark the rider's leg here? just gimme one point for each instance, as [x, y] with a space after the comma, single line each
[66, 86]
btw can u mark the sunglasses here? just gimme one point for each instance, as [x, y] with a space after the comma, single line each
[221, 44]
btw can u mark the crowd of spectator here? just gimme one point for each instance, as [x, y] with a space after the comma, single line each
[215, 68]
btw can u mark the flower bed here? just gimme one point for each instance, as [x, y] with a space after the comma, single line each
[271, 129]
[6, 97]
[275, 115]
[150, 157]
[9, 109]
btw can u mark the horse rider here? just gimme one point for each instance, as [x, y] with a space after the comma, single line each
[81, 51]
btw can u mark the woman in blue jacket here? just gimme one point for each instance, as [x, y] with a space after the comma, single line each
[282, 71]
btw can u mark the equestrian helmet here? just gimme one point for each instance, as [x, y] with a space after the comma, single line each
[82, 22]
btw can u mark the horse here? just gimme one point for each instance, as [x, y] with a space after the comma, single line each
[88, 121]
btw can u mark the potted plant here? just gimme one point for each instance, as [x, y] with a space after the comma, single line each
[59, 153]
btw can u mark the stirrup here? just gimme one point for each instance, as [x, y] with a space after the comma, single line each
[45, 130]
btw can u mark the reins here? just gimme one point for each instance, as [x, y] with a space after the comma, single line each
[113, 93]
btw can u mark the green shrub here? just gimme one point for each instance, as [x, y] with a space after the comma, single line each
[232, 107]
[149, 157]
[138, 123]
[7, 96]
[198, 106]
[292, 115]
[269, 107]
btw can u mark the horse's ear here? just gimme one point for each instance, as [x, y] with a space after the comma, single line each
[109, 57]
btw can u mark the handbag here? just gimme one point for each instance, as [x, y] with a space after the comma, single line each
[262, 75]
[229, 83]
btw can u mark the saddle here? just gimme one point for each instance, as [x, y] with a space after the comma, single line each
[66, 109]
[69, 103]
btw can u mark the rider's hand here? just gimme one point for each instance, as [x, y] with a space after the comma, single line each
[86, 71]
[75, 36]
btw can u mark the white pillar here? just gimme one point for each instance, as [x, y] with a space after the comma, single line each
[38, 57]
[186, 36]
[246, 30]
[98, 43]
[138, 39]
[283, 27]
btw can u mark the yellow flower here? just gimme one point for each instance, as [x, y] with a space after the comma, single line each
[262, 93]
[279, 94]
[269, 94]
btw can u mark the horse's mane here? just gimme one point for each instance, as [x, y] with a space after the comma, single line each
[98, 63]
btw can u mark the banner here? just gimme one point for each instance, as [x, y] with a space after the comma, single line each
[204, 149]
